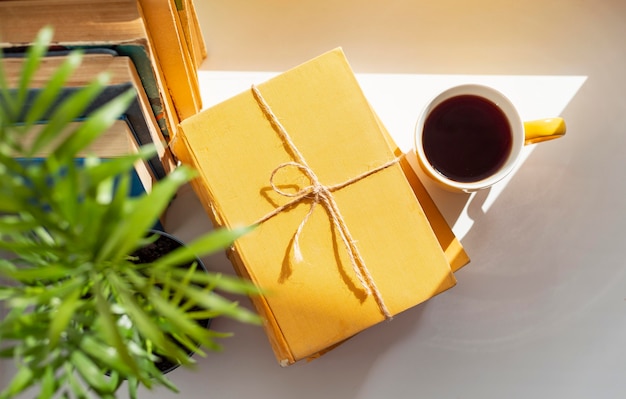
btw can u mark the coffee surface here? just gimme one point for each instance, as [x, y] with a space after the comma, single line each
[467, 138]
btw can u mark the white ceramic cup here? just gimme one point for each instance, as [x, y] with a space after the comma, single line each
[521, 133]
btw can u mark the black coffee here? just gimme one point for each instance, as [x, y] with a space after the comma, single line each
[467, 138]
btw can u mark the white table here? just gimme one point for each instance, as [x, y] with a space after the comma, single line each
[540, 312]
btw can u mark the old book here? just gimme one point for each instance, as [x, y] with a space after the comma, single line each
[342, 243]
[123, 77]
[116, 141]
[175, 55]
[114, 24]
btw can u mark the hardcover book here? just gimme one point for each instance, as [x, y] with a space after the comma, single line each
[123, 75]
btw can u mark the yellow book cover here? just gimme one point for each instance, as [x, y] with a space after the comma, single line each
[172, 48]
[343, 243]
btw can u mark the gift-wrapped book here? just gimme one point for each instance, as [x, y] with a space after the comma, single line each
[342, 242]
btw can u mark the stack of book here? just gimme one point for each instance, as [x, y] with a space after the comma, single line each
[348, 236]
[153, 46]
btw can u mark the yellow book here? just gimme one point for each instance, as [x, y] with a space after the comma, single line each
[138, 125]
[172, 48]
[319, 289]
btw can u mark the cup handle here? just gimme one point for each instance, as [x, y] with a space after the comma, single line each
[543, 130]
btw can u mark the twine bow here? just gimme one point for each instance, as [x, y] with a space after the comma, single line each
[321, 194]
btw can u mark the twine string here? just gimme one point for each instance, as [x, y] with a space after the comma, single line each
[321, 194]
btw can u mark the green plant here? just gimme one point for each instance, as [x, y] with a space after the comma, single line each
[82, 318]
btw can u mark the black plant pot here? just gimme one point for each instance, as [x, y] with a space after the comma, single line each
[164, 244]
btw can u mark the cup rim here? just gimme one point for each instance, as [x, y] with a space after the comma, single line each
[502, 102]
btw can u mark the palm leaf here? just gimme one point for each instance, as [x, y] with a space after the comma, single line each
[68, 111]
[98, 121]
[34, 56]
[47, 97]
[219, 239]
[95, 173]
[142, 214]
[113, 337]
[77, 307]
[24, 378]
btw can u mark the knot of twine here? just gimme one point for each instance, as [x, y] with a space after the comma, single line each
[319, 193]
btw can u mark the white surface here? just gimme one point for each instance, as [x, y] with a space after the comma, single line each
[399, 98]
[541, 310]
